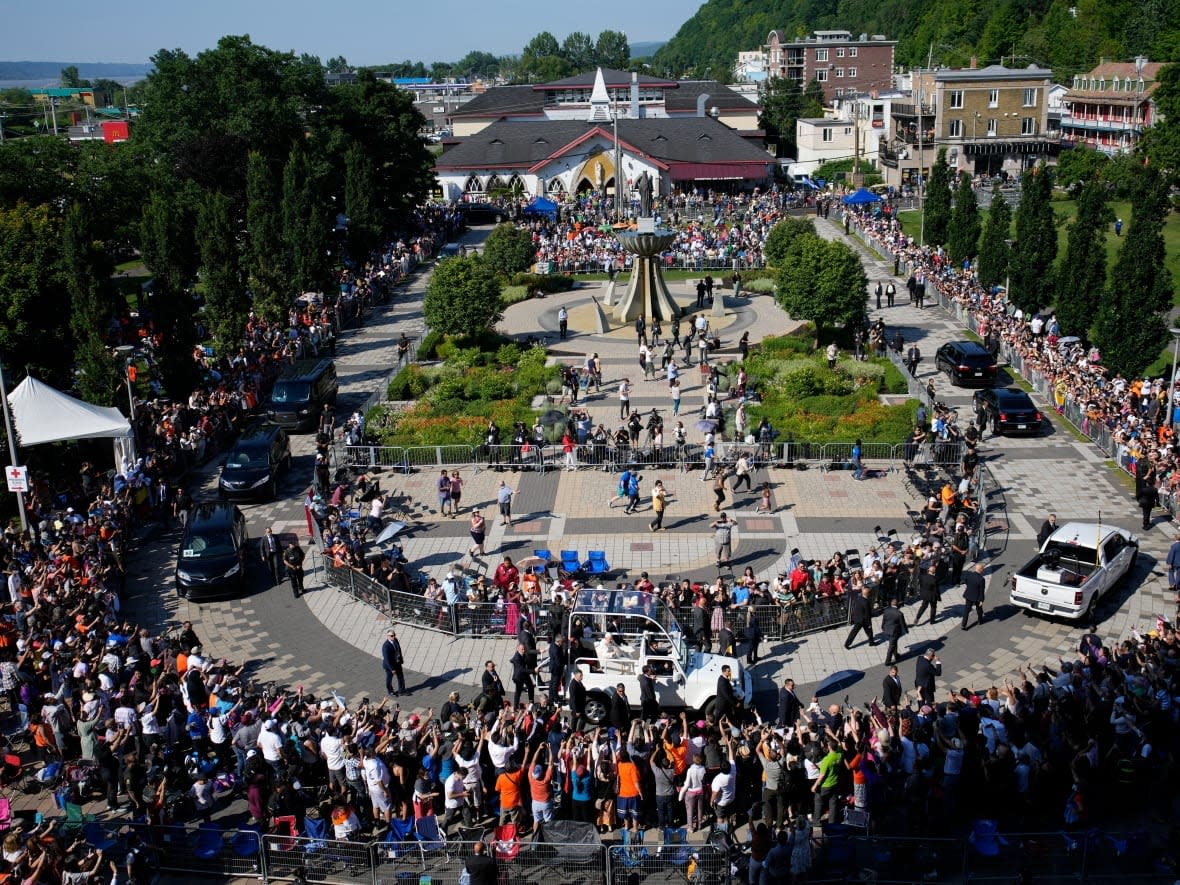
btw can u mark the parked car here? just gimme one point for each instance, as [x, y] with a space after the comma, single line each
[966, 363]
[253, 466]
[1009, 410]
[211, 561]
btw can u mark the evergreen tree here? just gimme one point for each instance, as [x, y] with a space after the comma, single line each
[364, 222]
[264, 263]
[1036, 242]
[462, 298]
[304, 225]
[1131, 330]
[87, 272]
[994, 252]
[1081, 279]
[937, 208]
[168, 252]
[962, 241]
[225, 296]
[822, 281]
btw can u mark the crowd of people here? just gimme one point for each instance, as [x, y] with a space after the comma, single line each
[1128, 416]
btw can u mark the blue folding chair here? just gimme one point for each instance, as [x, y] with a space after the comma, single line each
[208, 842]
[570, 561]
[431, 838]
[631, 852]
[675, 849]
[399, 838]
[596, 564]
[98, 837]
[545, 555]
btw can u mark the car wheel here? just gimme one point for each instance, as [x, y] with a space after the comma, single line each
[710, 708]
[596, 707]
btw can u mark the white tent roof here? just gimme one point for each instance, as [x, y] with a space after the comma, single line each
[44, 415]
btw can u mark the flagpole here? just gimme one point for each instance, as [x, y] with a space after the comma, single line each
[20, 496]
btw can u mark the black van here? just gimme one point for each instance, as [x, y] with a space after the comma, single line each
[253, 466]
[211, 561]
[300, 393]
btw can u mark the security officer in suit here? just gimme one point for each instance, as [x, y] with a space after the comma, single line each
[860, 613]
[928, 593]
[891, 691]
[789, 705]
[974, 588]
[928, 668]
[293, 560]
[894, 627]
[271, 550]
[648, 703]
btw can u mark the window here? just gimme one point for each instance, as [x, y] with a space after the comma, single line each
[955, 129]
[852, 72]
[827, 135]
[956, 99]
[839, 72]
[839, 91]
[1116, 85]
[839, 53]
[822, 75]
[1030, 98]
[852, 52]
[847, 130]
[821, 55]
[1028, 126]
[993, 98]
[1102, 84]
[1139, 86]
[992, 128]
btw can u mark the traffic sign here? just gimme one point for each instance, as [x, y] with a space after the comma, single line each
[18, 478]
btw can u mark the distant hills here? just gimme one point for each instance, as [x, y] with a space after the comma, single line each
[49, 72]
[1066, 35]
[647, 49]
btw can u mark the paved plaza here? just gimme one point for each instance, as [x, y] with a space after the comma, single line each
[327, 642]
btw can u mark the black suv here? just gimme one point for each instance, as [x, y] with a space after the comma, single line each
[1009, 410]
[253, 466]
[300, 393]
[211, 561]
[966, 363]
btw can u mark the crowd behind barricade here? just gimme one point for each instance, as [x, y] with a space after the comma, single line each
[1128, 417]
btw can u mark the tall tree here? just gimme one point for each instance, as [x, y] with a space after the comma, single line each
[71, 80]
[612, 50]
[783, 103]
[1035, 249]
[264, 263]
[364, 221]
[937, 206]
[225, 296]
[168, 251]
[509, 249]
[1131, 329]
[34, 320]
[1161, 143]
[305, 224]
[578, 51]
[783, 235]
[962, 241]
[994, 251]
[822, 281]
[541, 60]
[87, 272]
[462, 297]
[1081, 279]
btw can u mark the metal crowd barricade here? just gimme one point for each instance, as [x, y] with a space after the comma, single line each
[320, 860]
[635, 865]
[206, 850]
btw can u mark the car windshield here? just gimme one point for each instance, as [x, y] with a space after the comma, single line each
[207, 545]
[246, 457]
[291, 392]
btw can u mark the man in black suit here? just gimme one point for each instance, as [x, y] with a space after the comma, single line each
[891, 691]
[492, 685]
[577, 697]
[928, 593]
[293, 560]
[893, 626]
[522, 674]
[974, 588]
[928, 668]
[480, 867]
[1048, 527]
[789, 705]
[727, 699]
[272, 553]
[557, 658]
[391, 661]
[649, 705]
[860, 613]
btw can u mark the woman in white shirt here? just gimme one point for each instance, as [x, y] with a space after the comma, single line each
[693, 793]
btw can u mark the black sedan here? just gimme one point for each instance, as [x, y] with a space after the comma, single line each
[1009, 410]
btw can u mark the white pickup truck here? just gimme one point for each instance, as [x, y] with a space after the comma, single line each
[1078, 563]
[614, 633]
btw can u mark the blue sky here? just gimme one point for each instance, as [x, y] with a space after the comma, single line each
[363, 31]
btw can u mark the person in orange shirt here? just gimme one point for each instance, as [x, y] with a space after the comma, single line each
[541, 785]
[508, 786]
[630, 791]
[677, 752]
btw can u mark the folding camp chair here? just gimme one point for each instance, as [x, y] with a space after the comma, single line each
[208, 842]
[571, 563]
[675, 849]
[631, 852]
[283, 829]
[399, 838]
[506, 842]
[545, 555]
[596, 564]
[5, 815]
[431, 839]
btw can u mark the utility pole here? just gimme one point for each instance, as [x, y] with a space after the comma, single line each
[856, 179]
[53, 110]
[618, 161]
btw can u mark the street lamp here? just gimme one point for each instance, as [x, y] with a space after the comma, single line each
[1172, 379]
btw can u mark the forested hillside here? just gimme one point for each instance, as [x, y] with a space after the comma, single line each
[1067, 35]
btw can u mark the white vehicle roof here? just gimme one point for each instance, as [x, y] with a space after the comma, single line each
[1086, 534]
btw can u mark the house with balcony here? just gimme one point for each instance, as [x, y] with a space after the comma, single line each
[842, 64]
[1109, 108]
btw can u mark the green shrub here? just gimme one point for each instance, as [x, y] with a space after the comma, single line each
[513, 295]
[508, 355]
[410, 383]
[838, 385]
[802, 383]
[428, 349]
[553, 387]
[762, 285]
[547, 283]
[861, 374]
[894, 380]
[785, 344]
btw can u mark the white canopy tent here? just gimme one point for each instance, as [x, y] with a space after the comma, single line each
[45, 415]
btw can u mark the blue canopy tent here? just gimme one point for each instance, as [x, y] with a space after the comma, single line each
[542, 206]
[862, 197]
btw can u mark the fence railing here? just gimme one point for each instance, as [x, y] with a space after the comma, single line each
[592, 456]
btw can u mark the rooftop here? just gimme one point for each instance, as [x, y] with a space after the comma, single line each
[992, 72]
